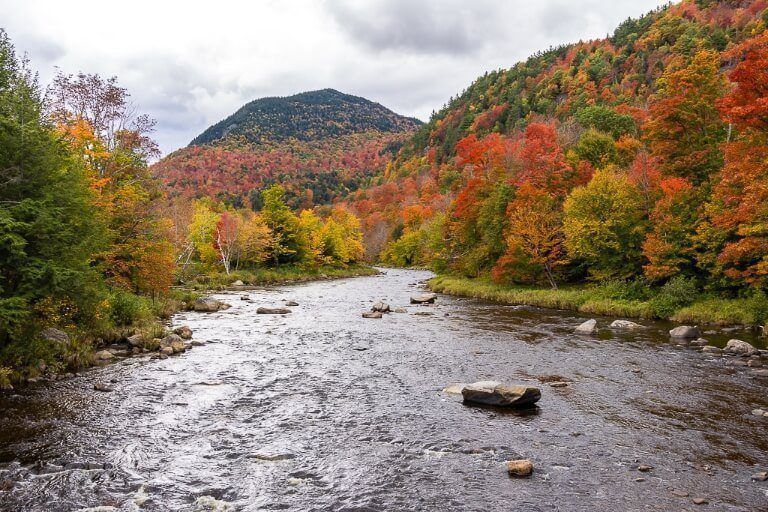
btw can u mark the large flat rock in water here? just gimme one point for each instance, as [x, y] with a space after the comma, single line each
[496, 393]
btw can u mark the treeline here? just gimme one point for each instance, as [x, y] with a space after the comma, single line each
[214, 237]
[640, 159]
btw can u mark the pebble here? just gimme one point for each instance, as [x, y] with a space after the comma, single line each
[520, 468]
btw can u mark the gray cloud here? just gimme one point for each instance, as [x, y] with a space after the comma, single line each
[193, 66]
[430, 26]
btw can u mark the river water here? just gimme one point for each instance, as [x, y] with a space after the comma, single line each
[324, 410]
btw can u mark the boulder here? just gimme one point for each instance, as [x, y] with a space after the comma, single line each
[238, 283]
[291, 303]
[520, 468]
[741, 348]
[496, 393]
[424, 298]
[208, 305]
[685, 332]
[624, 324]
[588, 327]
[103, 355]
[184, 332]
[166, 351]
[55, 336]
[381, 307]
[174, 342]
[137, 340]
[373, 314]
[273, 311]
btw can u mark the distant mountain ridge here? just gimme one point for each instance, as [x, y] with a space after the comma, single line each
[320, 145]
[308, 116]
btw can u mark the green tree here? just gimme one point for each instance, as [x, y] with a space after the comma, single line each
[48, 226]
[604, 226]
[289, 242]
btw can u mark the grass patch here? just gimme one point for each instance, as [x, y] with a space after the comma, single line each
[284, 274]
[678, 300]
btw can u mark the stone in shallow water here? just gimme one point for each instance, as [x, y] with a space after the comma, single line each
[273, 311]
[588, 327]
[496, 393]
[381, 307]
[740, 347]
[424, 298]
[520, 468]
[685, 331]
[454, 389]
[372, 314]
[624, 324]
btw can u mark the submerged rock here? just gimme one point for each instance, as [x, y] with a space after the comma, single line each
[624, 324]
[424, 298]
[741, 348]
[711, 349]
[372, 314]
[184, 332]
[381, 307]
[454, 389]
[496, 393]
[520, 468]
[100, 386]
[685, 331]
[699, 342]
[273, 311]
[588, 327]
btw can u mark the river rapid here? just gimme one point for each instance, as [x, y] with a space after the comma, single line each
[322, 410]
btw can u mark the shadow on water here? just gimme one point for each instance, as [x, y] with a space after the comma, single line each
[321, 409]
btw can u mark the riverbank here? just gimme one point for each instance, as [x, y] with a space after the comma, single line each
[275, 276]
[669, 303]
[61, 352]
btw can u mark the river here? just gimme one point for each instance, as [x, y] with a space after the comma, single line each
[324, 410]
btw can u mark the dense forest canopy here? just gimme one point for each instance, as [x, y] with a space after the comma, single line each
[638, 156]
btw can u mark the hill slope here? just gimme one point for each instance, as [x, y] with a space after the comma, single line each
[652, 111]
[319, 145]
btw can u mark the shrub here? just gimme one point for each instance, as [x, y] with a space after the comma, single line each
[676, 294]
[127, 308]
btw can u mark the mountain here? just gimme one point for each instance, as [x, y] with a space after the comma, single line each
[307, 116]
[653, 107]
[319, 145]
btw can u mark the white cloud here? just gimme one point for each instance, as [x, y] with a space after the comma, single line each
[190, 64]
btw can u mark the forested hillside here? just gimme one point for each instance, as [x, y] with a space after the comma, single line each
[319, 146]
[639, 157]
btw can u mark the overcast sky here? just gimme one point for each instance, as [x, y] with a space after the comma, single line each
[189, 63]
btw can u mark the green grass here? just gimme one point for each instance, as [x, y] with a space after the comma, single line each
[602, 300]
